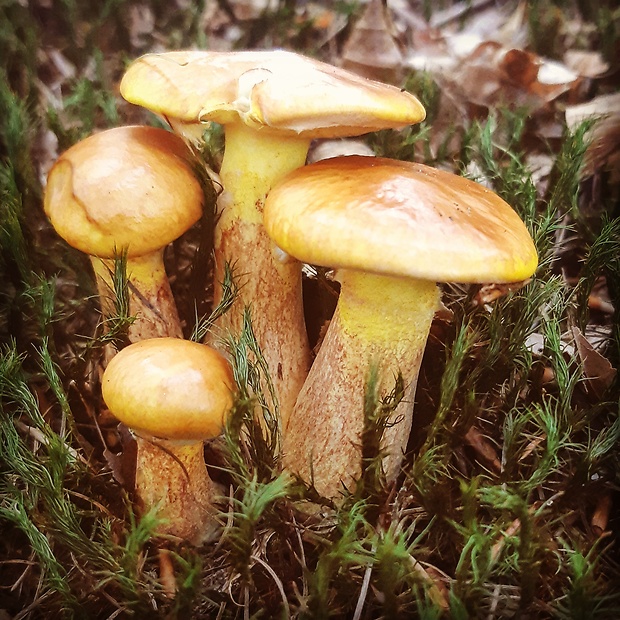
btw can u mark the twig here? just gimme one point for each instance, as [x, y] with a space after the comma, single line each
[166, 573]
[37, 435]
[277, 581]
[364, 591]
[229, 518]
[494, 602]
[434, 592]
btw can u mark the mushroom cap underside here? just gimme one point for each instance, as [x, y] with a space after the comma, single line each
[398, 218]
[269, 90]
[127, 188]
[169, 388]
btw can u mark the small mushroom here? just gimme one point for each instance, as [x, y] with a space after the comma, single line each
[127, 189]
[173, 394]
[392, 229]
[272, 103]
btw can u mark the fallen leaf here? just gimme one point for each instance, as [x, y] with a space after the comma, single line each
[596, 367]
[44, 153]
[602, 512]
[371, 49]
[141, 24]
[123, 464]
[253, 9]
[604, 137]
[585, 62]
[485, 450]
[491, 292]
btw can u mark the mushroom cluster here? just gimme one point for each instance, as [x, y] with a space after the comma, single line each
[391, 229]
[272, 104]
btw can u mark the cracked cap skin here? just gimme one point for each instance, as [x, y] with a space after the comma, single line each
[274, 91]
[398, 218]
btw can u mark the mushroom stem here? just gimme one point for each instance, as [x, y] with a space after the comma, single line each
[150, 296]
[172, 476]
[253, 162]
[380, 320]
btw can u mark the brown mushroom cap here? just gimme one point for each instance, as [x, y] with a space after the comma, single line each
[128, 187]
[169, 388]
[398, 218]
[272, 90]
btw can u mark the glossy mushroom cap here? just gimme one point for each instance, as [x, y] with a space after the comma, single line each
[125, 188]
[169, 388]
[271, 90]
[398, 218]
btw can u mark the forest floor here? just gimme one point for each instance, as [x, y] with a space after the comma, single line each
[507, 503]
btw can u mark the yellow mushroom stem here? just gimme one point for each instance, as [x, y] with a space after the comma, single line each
[380, 320]
[253, 162]
[171, 477]
[150, 296]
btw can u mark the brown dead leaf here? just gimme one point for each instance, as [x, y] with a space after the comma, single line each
[436, 591]
[167, 577]
[490, 292]
[530, 78]
[603, 151]
[484, 449]
[601, 514]
[586, 63]
[509, 532]
[123, 464]
[253, 9]
[596, 367]
[532, 446]
[141, 24]
[486, 73]
[600, 304]
[371, 49]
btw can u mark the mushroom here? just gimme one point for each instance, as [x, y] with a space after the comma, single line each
[392, 229]
[127, 189]
[273, 103]
[173, 394]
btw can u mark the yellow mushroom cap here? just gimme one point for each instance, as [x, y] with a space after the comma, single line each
[398, 218]
[169, 388]
[269, 90]
[125, 188]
